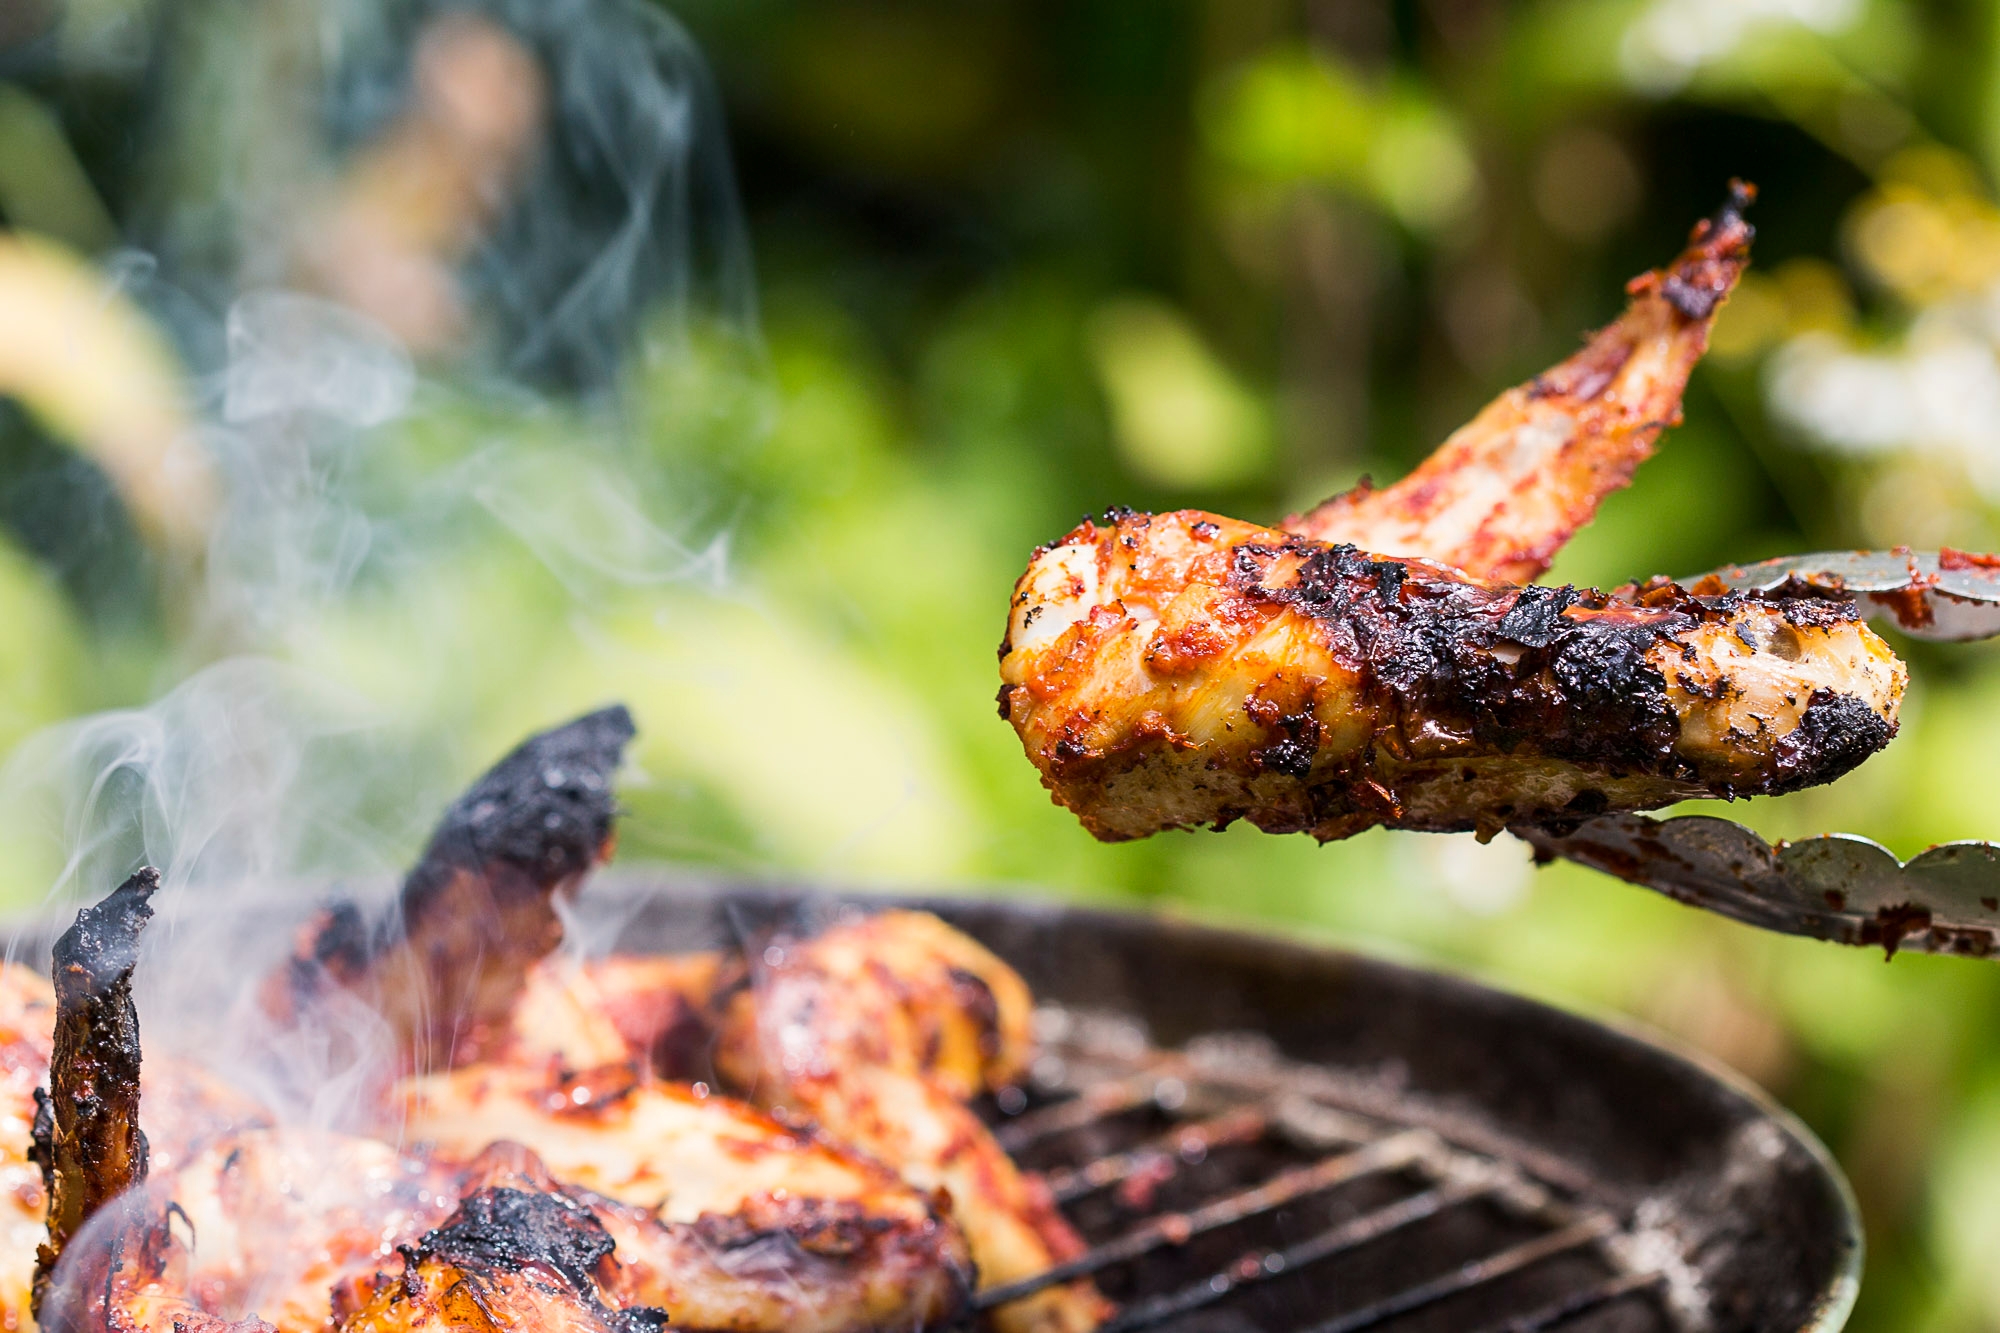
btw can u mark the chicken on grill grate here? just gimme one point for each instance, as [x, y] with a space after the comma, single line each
[539, 1154]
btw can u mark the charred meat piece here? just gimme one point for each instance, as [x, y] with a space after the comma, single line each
[878, 1031]
[1501, 496]
[1176, 670]
[519, 1257]
[86, 1133]
[183, 1108]
[479, 909]
[897, 990]
[724, 1217]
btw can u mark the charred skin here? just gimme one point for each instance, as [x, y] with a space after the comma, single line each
[87, 1137]
[479, 909]
[879, 1031]
[724, 1217]
[520, 1253]
[1178, 670]
[1501, 496]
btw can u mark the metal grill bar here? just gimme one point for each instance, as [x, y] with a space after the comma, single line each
[1469, 1276]
[1178, 1228]
[1243, 1125]
[1241, 1090]
[1098, 1103]
[1252, 1269]
[1580, 1302]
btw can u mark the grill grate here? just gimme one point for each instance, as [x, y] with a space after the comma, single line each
[1222, 1187]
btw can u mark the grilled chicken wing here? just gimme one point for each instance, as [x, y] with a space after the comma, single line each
[1174, 670]
[877, 1030]
[727, 1218]
[896, 990]
[478, 911]
[1501, 495]
[519, 1257]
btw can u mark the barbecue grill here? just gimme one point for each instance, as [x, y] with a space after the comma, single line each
[1255, 1135]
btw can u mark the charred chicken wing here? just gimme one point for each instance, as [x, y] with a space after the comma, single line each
[479, 910]
[1376, 662]
[1174, 670]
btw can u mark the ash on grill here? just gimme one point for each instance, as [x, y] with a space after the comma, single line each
[1224, 1187]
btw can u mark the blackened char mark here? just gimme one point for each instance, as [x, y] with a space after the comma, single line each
[1536, 616]
[1834, 734]
[546, 809]
[535, 1234]
[87, 1139]
[1506, 667]
[1699, 279]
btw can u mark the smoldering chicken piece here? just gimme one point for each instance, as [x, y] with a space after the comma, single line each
[341, 1203]
[86, 1134]
[106, 1262]
[183, 1109]
[877, 1031]
[518, 1256]
[479, 909]
[1175, 670]
[723, 1217]
[1501, 496]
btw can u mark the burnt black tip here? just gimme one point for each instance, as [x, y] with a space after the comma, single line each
[101, 947]
[1729, 217]
[547, 807]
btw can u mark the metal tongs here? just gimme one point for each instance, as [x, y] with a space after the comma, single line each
[1838, 886]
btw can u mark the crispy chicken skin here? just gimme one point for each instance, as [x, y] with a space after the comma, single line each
[479, 909]
[896, 990]
[1175, 670]
[650, 1010]
[878, 1030]
[520, 1253]
[727, 1218]
[1502, 495]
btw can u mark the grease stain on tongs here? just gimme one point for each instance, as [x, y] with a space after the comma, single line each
[1946, 595]
[1838, 886]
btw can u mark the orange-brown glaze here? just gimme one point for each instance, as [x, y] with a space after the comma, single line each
[877, 1030]
[722, 1212]
[896, 990]
[624, 1009]
[1502, 495]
